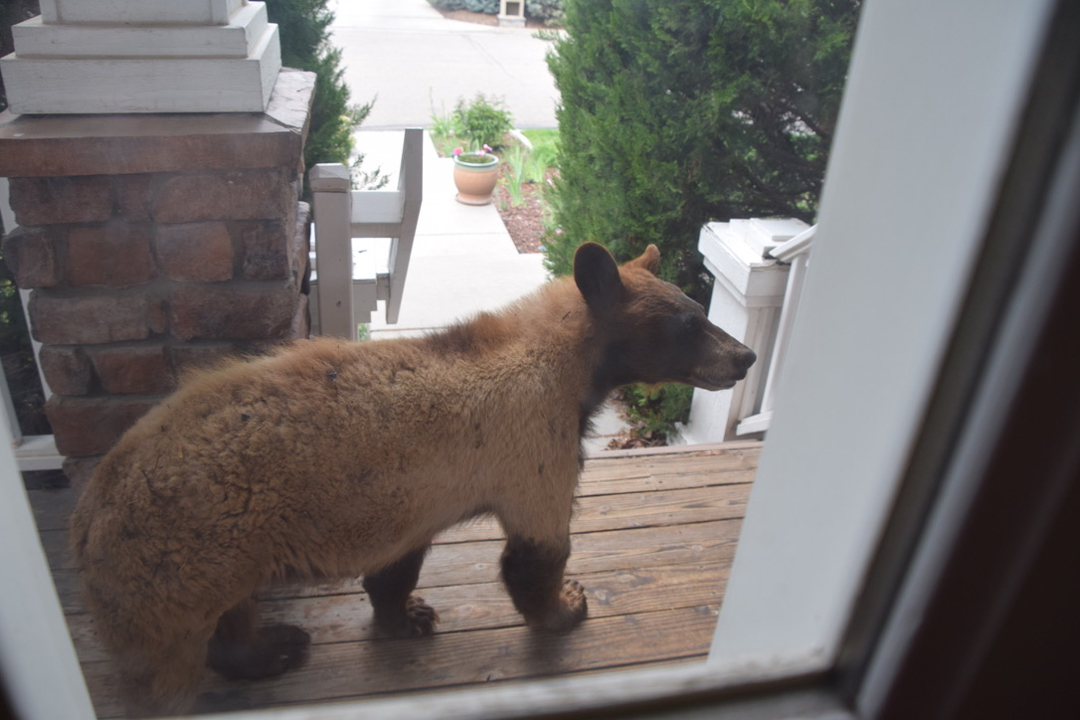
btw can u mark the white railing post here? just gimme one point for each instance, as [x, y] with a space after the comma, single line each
[795, 252]
[746, 301]
[348, 295]
[410, 184]
[332, 209]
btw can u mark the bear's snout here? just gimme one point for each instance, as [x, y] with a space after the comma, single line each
[744, 361]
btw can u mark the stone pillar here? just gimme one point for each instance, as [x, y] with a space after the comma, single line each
[151, 244]
[746, 301]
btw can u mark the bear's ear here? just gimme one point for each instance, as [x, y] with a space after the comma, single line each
[648, 260]
[596, 275]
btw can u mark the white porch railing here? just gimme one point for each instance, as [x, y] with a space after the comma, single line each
[795, 252]
[758, 265]
[342, 294]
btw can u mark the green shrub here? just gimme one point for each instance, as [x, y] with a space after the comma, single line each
[488, 7]
[675, 113]
[653, 410]
[481, 122]
[550, 11]
[678, 112]
[304, 29]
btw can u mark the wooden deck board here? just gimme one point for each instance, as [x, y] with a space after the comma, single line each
[653, 541]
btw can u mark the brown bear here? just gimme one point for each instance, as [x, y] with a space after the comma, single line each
[333, 459]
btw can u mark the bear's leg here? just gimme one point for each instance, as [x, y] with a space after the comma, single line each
[397, 612]
[533, 574]
[241, 650]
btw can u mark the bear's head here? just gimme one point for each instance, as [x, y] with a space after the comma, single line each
[652, 332]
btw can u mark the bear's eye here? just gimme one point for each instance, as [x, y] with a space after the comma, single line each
[686, 325]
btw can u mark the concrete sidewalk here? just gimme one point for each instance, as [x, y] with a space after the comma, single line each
[409, 55]
[415, 63]
[463, 260]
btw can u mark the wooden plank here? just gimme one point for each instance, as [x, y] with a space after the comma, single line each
[595, 513]
[667, 480]
[630, 510]
[55, 545]
[52, 508]
[645, 549]
[337, 671]
[636, 549]
[643, 466]
[347, 618]
[653, 542]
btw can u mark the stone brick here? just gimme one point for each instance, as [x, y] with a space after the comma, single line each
[57, 319]
[31, 255]
[133, 197]
[239, 311]
[237, 195]
[57, 200]
[125, 369]
[301, 322]
[265, 249]
[190, 357]
[115, 254]
[67, 369]
[275, 250]
[157, 316]
[85, 427]
[300, 248]
[199, 252]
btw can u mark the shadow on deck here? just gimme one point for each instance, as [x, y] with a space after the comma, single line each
[653, 542]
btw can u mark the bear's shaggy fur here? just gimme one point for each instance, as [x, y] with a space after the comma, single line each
[334, 459]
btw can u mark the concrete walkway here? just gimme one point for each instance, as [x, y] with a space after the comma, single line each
[416, 63]
[463, 259]
[411, 57]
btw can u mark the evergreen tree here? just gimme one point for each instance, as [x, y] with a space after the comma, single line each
[679, 112]
[304, 29]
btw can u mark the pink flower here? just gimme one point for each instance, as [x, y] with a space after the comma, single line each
[458, 151]
[487, 148]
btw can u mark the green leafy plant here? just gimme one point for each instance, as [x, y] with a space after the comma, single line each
[482, 122]
[550, 11]
[654, 410]
[303, 26]
[678, 112]
[514, 176]
[476, 157]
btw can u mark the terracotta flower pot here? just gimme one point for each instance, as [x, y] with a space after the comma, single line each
[475, 180]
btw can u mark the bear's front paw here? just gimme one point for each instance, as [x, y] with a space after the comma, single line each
[571, 609]
[420, 617]
[417, 620]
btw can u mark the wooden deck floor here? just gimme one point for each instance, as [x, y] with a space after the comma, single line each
[653, 542]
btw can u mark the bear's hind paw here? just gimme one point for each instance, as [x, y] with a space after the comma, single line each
[277, 649]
